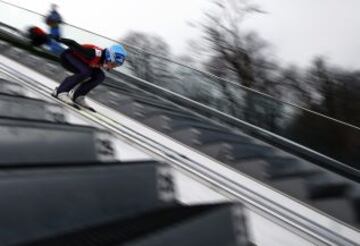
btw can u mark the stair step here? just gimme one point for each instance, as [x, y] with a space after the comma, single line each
[170, 226]
[11, 88]
[149, 109]
[218, 150]
[183, 116]
[202, 135]
[339, 208]
[29, 142]
[295, 187]
[286, 167]
[43, 202]
[253, 168]
[167, 124]
[19, 107]
[250, 151]
[326, 185]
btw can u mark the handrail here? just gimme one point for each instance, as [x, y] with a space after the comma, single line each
[204, 73]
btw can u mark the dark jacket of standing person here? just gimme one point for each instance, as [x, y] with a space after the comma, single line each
[53, 20]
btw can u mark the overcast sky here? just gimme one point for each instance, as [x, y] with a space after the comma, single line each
[297, 29]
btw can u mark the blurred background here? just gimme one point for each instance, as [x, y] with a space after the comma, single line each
[268, 89]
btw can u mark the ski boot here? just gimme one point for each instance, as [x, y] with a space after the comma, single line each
[64, 97]
[81, 101]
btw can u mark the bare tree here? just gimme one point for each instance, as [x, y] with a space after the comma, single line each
[146, 60]
[239, 56]
[291, 85]
[338, 90]
[223, 35]
[335, 92]
[325, 84]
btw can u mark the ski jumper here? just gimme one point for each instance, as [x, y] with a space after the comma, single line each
[84, 61]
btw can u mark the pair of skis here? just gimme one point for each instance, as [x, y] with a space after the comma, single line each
[75, 105]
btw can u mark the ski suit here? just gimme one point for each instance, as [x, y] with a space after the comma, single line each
[84, 61]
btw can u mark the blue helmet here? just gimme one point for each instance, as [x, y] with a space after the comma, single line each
[116, 54]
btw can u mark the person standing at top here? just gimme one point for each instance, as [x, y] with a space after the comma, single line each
[53, 20]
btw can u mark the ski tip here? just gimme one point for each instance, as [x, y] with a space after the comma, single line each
[87, 108]
[76, 106]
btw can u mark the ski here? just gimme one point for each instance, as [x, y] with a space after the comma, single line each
[74, 105]
[85, 108]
